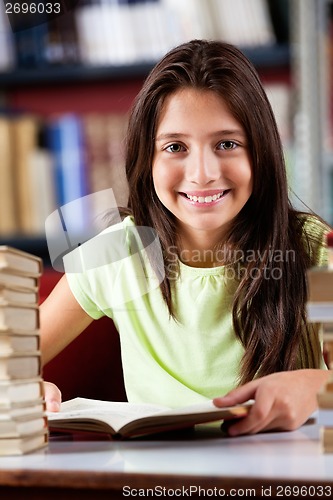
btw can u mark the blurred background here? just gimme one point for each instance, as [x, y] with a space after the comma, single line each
[67, 82]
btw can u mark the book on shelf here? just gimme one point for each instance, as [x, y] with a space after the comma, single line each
[8, 219]
[7, 54]
[42, 189]
[320, 294]
[243, 23]
[64, 138]
[104, 145]
[125, 420]
[30, 46]
[124, 32]
[23, 444]
[26, 128]
[27, 177]
[21, 393]
[320, 284]
[62, 43]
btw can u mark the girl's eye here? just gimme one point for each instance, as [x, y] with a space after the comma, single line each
[227, 145]
[175, 148]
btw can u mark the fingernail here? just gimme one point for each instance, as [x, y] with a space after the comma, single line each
[53, 405]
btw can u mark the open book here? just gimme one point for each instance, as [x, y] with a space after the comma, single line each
[124, 420]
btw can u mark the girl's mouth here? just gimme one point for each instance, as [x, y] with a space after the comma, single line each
[205, 200]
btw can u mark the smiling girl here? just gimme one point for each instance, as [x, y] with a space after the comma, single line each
[206, 171]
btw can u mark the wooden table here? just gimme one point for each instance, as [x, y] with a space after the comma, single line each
[285, 464]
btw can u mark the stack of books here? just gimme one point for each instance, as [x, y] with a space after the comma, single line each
[325, 416]
[320, 310]
[23, 424]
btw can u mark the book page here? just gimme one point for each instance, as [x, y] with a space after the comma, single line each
[114, 413]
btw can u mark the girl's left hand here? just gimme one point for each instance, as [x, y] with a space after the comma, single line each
[52, 396]
[283, 401]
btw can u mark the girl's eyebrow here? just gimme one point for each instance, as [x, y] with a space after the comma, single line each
[171, 135]
[219, 133]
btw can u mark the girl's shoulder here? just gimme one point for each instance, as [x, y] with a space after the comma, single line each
[314, 232]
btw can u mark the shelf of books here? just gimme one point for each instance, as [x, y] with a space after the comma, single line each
[273, 57]
[66, 87]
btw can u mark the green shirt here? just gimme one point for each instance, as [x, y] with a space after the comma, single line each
[165, 361]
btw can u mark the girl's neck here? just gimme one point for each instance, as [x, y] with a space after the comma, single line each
[202, 251]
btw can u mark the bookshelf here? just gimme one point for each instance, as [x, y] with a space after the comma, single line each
[270, 58]
[311, 47]
[46, 90]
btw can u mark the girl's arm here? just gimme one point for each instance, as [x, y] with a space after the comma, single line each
[283, 401]
[61, 320]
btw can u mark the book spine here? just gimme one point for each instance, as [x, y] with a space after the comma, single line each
[8, 218]
[66, 142]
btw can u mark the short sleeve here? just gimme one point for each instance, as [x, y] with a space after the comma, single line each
[80, 285]
[315, 232]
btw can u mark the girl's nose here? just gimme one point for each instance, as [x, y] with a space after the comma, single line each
[202, 168]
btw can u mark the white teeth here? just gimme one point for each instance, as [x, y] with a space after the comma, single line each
[205, 199]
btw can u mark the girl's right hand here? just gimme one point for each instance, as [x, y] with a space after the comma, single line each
[52, 397]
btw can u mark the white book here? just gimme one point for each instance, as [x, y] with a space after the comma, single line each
[279, 95]
[129, 420]
[325, 417]
[263, 31]
[22, 282]
[42, 188]
[243, 25]
[20, 392]
[13, 260]
[160, 34]
[193, 18]
[90, 33]
[15, 367]
[20, 427]
[227, 25]
[12, 343]
[19, 318]
[25, 444]
[17, 296]
[320, 312]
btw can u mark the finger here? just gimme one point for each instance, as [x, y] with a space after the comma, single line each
[260, 416]
[236, 396]
[248, 425]
[52, 396]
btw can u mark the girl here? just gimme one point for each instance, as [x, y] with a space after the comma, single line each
[206, 171]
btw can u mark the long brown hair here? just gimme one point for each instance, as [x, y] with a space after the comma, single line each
[268, 314]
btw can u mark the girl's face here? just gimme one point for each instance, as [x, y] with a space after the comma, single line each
[201, 165]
